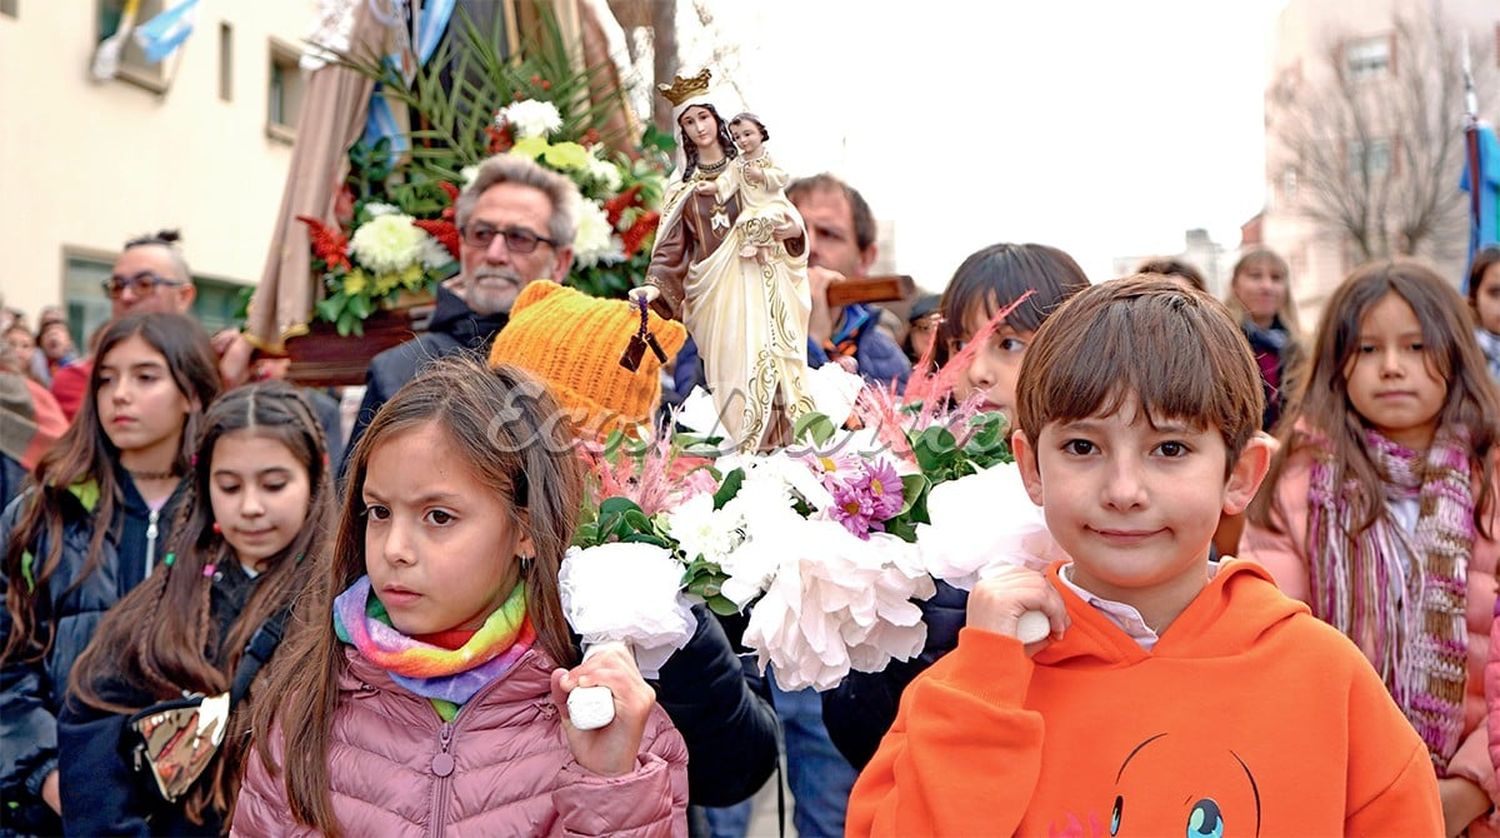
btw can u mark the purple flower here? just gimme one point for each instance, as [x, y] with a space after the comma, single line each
[852, 507]
[883, 486]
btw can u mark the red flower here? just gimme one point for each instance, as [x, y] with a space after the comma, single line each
[443, 231]
[328, 243]
[500, 139]
[643, 227]
[546, 85]
[616, 206]
[452, 192]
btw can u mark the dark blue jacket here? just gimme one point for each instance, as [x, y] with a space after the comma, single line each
[729, 729]
[102, 793]
[31, 692]
[454, 328]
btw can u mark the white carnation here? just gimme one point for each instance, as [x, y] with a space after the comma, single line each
[530, 118]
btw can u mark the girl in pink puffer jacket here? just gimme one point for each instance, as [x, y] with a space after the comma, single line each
[422, 690]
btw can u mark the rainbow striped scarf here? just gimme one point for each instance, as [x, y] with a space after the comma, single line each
[450, 675]
[1402, 596]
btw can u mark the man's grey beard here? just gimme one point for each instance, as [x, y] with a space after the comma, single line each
[472, 290]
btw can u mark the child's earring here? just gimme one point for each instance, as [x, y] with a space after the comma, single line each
[218, 530]
[526, 562]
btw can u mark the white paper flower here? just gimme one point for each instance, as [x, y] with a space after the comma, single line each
[699, 415]
[631, 593]
[530, 118]
[1014, 531]
[375, 209]
[387, 243]
[834, 390]
[605, 172]
[836, 603]
[595, 241]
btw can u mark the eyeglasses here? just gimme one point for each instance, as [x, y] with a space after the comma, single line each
[141, 283]
[517, 239]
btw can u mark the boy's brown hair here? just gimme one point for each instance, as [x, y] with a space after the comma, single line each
[1178, 352]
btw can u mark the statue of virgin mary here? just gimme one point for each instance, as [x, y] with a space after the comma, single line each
[748, 318]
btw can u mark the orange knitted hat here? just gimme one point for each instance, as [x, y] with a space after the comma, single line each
[573, 342]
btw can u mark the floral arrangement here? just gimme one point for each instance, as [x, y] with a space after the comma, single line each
[622, 195]
[827, 542]
[400, 239]
[393, 234]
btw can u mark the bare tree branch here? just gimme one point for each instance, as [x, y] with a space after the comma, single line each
[1377, 152]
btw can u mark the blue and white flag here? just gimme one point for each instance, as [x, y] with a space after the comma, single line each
[160, 36]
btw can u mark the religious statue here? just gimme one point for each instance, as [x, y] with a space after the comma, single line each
[730, 262]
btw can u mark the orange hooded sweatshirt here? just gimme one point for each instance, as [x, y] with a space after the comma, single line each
[1249, 717]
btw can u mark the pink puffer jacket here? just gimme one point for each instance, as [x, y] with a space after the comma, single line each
[501, 768]
[1285, 555]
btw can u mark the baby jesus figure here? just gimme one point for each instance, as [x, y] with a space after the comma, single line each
[754, 175]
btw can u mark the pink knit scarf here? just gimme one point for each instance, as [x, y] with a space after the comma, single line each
[1402, 595]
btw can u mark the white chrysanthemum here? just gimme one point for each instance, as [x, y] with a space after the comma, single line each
[388, 243]
[605, 172]
[530, 118]
[595, 242]
[375, 209]
[434, 255]
[468, 173]
[701, 530]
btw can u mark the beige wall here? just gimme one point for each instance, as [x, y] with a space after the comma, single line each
[86, 165]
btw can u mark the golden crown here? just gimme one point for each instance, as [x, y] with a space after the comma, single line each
[682, 89]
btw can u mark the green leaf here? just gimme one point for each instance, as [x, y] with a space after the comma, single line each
[913, 488]
[617, 506]
[360, 306]
[818, 425]
[721, 605]
[729, 488]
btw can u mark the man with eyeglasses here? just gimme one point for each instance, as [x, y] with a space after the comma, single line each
[516, 222]
[150, 276]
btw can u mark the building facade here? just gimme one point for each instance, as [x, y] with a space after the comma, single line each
[200, 142]
[1377, 66]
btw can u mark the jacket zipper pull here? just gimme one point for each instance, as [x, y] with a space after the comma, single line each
[442, 762]
[151, 542]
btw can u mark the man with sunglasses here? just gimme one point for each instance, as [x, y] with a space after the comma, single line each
[516, 222]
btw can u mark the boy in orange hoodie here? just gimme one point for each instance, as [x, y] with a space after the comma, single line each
[1173, 695]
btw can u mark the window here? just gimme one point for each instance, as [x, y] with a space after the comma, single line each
[1373, 158]
[284, 92]
[134, 67]
[226, 62]
[1368, 58]
[83, 288]
[216, 306]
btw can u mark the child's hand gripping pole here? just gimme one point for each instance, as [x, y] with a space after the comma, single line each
[590, 708]
[1032, 626]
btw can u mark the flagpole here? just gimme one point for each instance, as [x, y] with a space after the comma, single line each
[1471, 142]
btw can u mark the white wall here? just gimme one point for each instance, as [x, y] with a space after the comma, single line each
[89, 165]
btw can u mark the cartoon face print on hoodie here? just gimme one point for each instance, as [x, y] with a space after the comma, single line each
[1172, 785]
